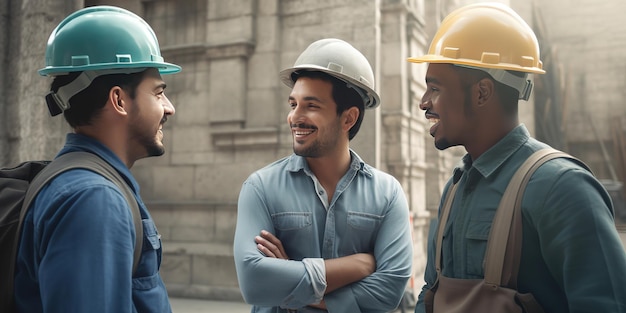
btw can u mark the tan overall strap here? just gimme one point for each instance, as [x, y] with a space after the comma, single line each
[505, 237]
[445, 213]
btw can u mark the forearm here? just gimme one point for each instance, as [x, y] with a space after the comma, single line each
[343, 271]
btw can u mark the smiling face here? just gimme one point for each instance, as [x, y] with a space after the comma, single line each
[448, 105]
[150, 111]
[315, 126]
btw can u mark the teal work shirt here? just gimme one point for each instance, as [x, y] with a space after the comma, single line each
[368, 213]
[572, 256]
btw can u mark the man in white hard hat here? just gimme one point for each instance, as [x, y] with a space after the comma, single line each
[320, 230]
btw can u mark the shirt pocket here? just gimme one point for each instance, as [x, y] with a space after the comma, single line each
[364, 221]
[477, 236]
[147, 275]
[152, 239]
[286, 221]
[361, 232]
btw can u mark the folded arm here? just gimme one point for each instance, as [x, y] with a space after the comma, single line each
[340, 272]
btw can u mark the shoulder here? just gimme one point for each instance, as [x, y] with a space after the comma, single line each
[564, 186]
[82, 192]
[274, 170]
[379, 180]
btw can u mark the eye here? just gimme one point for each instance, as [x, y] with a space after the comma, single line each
[292, 105]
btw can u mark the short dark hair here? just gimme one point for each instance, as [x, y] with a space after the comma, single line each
[345, 97]
[509, 96]
[86, 105]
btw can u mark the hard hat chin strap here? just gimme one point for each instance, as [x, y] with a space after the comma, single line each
[523, 85]
[366, 99]
[59, 101]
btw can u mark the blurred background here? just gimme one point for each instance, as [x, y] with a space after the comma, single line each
[231, 107]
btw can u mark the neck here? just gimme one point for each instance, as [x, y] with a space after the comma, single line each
[329, 169]
[489, 138]
[111, 137]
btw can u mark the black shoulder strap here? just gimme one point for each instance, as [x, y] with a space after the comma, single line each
[94, 163]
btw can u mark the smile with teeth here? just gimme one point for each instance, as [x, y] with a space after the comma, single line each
[433, 120]
[303, 132]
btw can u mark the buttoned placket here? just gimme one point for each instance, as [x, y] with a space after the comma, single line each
[328, 245]
[467, 183]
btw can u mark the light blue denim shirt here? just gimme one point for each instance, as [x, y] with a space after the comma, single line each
[572, 258]
[368, 213]
[78, 238]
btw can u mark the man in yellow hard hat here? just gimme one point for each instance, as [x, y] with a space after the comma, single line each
[572, 259]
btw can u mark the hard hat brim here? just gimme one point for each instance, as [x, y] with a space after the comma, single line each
[285, 77]
[431, 58]
[163, 67]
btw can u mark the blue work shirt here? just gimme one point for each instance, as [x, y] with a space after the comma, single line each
[367, 214]
[572, 257]
[77, 245]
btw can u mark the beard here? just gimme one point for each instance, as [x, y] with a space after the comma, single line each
[320, 146]
[148, 141]
[154, 149]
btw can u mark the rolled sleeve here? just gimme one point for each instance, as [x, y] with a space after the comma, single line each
[294, 284]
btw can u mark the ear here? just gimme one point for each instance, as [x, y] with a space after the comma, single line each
[486, 90]
[117, 100]
[350, 116]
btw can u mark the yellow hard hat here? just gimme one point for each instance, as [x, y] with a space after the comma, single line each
[489, 37]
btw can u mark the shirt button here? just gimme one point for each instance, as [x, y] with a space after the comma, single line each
[321, 192]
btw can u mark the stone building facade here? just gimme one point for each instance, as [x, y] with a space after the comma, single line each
[231, 110]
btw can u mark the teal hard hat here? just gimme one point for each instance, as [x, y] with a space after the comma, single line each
[103, 38]
[96, 41]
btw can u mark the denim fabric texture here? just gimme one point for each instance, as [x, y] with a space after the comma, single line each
[76, 252]
[367, 213]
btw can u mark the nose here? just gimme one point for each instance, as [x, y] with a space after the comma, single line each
[169, 107]
[425, 103]
[296, 113]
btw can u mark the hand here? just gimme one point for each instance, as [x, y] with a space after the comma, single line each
[321, 305]
[270, 245]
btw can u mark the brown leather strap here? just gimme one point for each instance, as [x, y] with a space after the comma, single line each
[504, 248]
[445, 213]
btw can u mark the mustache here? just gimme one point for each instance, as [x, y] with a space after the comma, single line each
[164, 119]
[302, 125]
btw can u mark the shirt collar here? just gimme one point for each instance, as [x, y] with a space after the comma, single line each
[78, 142]
[492, 159]
[298, 163]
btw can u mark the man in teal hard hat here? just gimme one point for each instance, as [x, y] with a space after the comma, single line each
[78, 238]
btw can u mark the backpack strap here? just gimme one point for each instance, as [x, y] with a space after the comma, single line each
[504, 248]
[89, 161]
